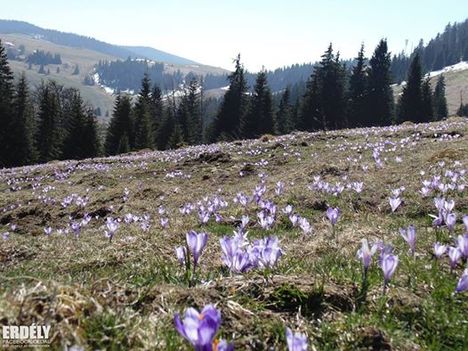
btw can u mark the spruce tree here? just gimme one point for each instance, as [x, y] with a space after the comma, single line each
[411, 101]
[49, 134]
[427, 101]
[357, 95]
[156, 112]
[233, 107]
[439, 99]
[120, 127]
[380, 94]
[143, 125]
[21, 129]
[90, 144]
[284, 115]
[259, 119]
[166, 128]
[6, 95]
[310, 116]
[189, 114]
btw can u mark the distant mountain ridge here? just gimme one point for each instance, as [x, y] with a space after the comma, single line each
[80, 41]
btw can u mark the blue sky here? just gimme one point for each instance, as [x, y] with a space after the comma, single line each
[266, 32]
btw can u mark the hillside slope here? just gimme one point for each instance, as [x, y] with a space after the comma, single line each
[456, 81]
[58, 267]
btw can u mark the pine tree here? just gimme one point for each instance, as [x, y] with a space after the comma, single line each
[189, 114]
[259, 119]
[284, 118]
[411, 101]
[439, 99]
[166, 128]
[310, 116]
[324, 102]
[233, 107]
[49, 134]
[380, 94]
[90, 142]
[6, 95]
[119, 131]
[357, 95]
[156, 112]
[427, 101]
[20, 136]
[143, 125]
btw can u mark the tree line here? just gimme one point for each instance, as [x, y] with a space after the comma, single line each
[56, 124]
[49, 123]
[446, 49]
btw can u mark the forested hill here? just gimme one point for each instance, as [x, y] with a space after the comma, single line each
[446, 49]
[80, 41]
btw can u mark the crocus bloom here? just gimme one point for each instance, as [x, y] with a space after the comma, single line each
[181, 253]
[465, 222]
[164, 222]
[305, 225]
[199, 328]
[333, 214]
[365, 253]
[5, 235]
[395, 202]
[47, 230]
[112, 226]
[196, 242]
[451, 220]
[439, 249]
[409, 234]
[296, 341]
[454, 254]
[389, 264]
[462, 282]
[462, 242]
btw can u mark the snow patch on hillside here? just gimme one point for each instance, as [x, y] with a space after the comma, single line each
[460, 66]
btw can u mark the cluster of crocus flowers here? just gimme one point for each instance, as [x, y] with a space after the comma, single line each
[239, 255]
[445, 216]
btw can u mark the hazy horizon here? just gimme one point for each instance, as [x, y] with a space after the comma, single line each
[270, 34]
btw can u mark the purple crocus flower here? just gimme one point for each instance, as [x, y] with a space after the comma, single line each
[112, 226]
[244, 221]
[5, 235]
[439, 249]
[365, 254]
[305, 225]
[196, 242]
[164, 222]
[465, 222]
[389, 264]
[296, 341]
[48, 230]
[199, 328]
[462, 242]
[333, 214]
[451, 220]
[395, 202]
[279, 188]
[409, 234]
[269, 251]
[222, 345]
[454, 255]
[181, 253]
[462, 282]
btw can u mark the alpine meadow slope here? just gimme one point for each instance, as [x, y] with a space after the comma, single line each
[89, 247]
